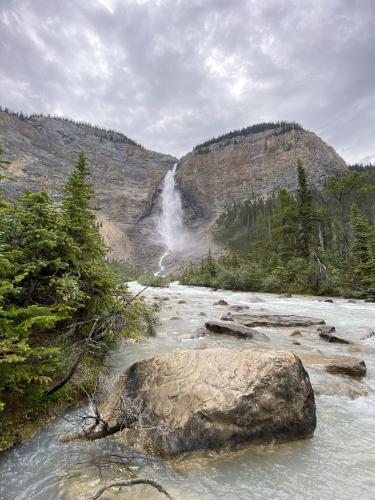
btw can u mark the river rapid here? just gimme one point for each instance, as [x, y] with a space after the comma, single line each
[337, 463]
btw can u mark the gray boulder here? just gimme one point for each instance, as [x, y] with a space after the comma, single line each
[347, 365]
[235, 329]
[273, 320]
[184, 401]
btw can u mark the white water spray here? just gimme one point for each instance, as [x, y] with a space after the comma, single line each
[170, 222]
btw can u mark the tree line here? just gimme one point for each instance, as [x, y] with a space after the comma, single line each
[279, 127]
[310, 241]
[61, 307]
[101, 132]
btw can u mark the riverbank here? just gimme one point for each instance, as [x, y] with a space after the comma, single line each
[20, 423]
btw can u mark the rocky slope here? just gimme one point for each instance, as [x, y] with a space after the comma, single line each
[128, 178]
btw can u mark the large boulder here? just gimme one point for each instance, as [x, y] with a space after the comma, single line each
[210, 399]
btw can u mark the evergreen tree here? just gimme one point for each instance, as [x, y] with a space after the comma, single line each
[306, 214]
[86, 253]
[33, 292]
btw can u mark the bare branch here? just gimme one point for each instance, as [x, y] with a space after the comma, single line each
[131, 482]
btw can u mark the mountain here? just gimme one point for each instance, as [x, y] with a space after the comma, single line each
[128, 178]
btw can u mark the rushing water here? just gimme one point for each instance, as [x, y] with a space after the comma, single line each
[170, 223]
[338, 462]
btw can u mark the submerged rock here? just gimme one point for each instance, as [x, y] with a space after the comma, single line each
[230, 328]
[238, 308]
[325, 384]
[274, 320]
[295, 333]
[221, 302]
[212, 399]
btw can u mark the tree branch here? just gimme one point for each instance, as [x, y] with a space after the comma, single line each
[131, 482]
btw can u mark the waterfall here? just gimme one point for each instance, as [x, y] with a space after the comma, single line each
[170, 223]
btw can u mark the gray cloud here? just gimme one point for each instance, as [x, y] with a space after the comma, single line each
[170, 73]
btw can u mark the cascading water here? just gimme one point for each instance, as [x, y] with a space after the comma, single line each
[170, 222]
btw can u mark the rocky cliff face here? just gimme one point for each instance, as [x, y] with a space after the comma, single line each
[128, 178]
[254, 165]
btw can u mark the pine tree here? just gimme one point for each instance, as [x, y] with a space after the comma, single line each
[33, 292]
[86, 255]
[285, 226]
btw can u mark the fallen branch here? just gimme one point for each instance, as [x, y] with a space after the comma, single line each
[73, 369]
[131, 482]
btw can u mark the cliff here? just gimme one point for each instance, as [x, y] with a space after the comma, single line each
[254, 165]
[128, 178]
[43, 150]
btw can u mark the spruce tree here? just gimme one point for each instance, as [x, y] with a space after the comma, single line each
[33, 293]
[307, 216]
[86, 254]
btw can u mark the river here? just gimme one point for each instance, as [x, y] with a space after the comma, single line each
[337, 463]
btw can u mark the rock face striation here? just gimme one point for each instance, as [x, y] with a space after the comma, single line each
[128, 178]
[211, 399]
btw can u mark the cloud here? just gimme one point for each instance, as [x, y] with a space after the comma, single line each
[171, 73]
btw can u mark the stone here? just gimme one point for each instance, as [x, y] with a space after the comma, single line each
[327, 333]
[329, 301]
[238, 308]
[370, 300]
[181, 302]
[370, 333]
[351, 301]
[273, 320]
[347, 365]
[295, 333]
[285, 296]
[221, 302]
[295, 342]
[235, 329]
[198, 333]
[202, 313]
[174, 318]
[211, 399]
[330, 385]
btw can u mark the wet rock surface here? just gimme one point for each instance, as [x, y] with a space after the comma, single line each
[235, 329]
[347, 365]
[213, 398]
[272, 320]
[328, 333]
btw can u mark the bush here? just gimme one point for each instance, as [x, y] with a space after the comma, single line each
[149, 279]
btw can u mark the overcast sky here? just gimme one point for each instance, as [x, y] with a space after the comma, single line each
[171, 73]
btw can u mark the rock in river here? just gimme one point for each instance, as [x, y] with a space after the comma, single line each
[211, 399]
[347, 365]
[274, 320]
[235, 329]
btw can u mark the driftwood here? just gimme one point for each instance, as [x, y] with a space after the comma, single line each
[131, 482]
